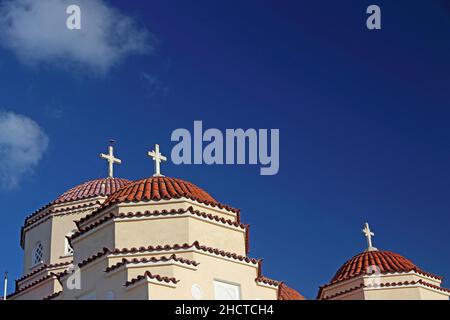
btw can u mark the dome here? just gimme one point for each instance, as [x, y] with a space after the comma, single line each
[94, 188]
[386, 261]
[162, 188]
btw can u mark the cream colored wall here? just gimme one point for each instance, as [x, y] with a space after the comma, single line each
[217, 268]
[40, 291]
[354, 295]
[40, 233]
[144, 232]
[52, 230]
[231, 239]
[175, 204]
[92, 278]
[342, 287]
[94, 241]
[135, 232]
[62, 225]
[402, 277]
[40, 275]
[210, 268]
[392, 293]
[429, 294]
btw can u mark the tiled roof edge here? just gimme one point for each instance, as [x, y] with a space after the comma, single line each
[156, 213]
[43, 267]
[157, 277]
[173, 257]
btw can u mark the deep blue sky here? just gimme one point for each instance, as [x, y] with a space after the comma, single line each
[363, 119]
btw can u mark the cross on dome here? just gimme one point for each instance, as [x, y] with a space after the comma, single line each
[368, 234]
[158, 158]
[111, 159]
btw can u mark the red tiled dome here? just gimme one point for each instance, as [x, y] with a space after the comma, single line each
[388, 262]
[93, 188]
[162, 188]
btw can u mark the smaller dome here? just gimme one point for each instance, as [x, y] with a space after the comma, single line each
[94, 188]
[386, 261]
[162, 188]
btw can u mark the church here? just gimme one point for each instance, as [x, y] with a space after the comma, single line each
[162, 238]
[155, 238]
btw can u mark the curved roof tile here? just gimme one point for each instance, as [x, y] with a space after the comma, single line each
[162, 188]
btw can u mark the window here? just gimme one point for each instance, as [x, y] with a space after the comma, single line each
[227, 291]
[68, 250]
[38, 254]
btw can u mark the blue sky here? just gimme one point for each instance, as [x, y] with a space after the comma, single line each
[363, 119]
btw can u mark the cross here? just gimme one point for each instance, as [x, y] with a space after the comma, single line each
[111, 159]
[158, 158]
[369, 234]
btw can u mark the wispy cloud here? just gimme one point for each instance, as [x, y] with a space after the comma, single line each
[153, 85]
[22, 145]
[36, 32]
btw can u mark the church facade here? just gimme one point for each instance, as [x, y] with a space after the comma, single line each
[155, 238]
[165, 238]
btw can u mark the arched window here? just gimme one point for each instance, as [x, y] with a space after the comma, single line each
[68, 250]
[38, 254]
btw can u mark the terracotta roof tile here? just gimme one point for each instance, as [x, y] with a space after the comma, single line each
[157, 277]
[340, 293]
[173, 257]
[93, 188]
[41, 268]
[268, 281]
[151, 249]
[186, 246]
[388, 262]
[156, 213]
[286, 293]
[45, 278]
[159, 188]
[427, 284]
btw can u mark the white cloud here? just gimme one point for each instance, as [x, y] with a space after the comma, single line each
[35, 30]
[153, 85]
[22, 145]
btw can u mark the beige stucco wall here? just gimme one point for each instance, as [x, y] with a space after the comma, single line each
[39, 275]
[52, 230]
[178, 230]
[181, 203]
[39, 291]
[41, 233]
[210, 268]
[93, 242]
[163, 230]
[152, 206]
